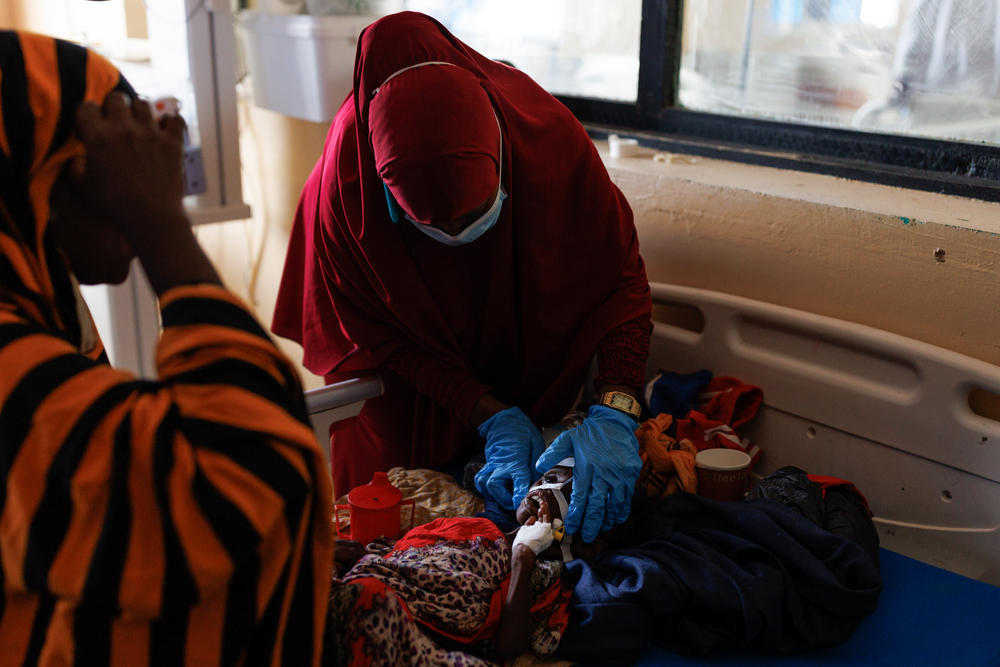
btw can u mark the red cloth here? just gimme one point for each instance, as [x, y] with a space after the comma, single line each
[727, 403]
[519, 312]
[730, 400]
[460, 529]
[826, 482]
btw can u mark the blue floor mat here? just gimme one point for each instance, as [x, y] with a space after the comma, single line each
[926, 616]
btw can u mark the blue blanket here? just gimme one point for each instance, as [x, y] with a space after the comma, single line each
[710, 575]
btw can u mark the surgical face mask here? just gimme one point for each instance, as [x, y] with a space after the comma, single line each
[483, 224]
[470, 233]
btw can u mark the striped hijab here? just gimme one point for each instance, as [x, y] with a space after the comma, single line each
[42, 82]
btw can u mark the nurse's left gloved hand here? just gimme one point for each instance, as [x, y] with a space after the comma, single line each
[607, 467]
[513, 443]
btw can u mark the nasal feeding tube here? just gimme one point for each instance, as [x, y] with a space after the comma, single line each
[558, 525]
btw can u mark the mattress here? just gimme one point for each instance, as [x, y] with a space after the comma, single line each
[926, 616]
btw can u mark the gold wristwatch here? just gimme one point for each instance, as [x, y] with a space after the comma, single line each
[619, 400]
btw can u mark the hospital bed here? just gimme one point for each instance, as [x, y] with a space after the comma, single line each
[912, 425]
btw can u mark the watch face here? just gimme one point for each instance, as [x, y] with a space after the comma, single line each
[622, 402]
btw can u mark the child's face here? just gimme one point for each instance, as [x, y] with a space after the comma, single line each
[530, 505]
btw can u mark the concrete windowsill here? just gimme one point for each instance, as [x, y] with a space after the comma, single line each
[909, 205]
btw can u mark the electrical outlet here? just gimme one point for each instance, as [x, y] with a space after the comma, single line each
[194, 171]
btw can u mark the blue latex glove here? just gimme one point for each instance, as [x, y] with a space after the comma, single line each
[513, 443]
[607, 467]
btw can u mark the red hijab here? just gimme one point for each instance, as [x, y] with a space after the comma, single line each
[436, 141]
[524, 307]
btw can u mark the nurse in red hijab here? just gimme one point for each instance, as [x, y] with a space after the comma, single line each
[460, 238]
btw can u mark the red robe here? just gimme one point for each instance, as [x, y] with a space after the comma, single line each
[519, 312]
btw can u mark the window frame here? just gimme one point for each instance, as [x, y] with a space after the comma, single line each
[212, 56]
[655, 118]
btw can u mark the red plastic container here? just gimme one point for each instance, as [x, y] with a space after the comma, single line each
[375, 509]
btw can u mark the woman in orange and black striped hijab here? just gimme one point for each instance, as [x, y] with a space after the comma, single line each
[43, 81]
[178, 521]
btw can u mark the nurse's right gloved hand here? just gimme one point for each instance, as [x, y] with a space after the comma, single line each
[607, 465]
[513, 443]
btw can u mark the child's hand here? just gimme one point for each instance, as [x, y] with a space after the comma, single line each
[544, 513]
[534, 535]
[345, 554]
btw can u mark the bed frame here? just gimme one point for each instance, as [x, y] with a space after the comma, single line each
[914, 426]
[891, 414]
[338, 401]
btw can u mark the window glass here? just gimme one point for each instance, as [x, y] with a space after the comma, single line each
[919, 67]
[181, 49]
[156, 67]
[583, 48]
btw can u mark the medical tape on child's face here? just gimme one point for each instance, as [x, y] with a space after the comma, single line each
[556, 488]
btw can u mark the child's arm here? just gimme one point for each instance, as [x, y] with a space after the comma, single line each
[514, 631]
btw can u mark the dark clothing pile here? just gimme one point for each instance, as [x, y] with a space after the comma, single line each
[709, 575]
[834, 504]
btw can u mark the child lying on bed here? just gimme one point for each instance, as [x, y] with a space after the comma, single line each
[457, 591]
[697, 576]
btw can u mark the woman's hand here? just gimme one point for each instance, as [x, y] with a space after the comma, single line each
[133, 168]
[607, 467]
[485, 407]
[513, 443]
[133, 175]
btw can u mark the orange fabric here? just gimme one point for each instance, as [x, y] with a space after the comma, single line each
[184, 518]
[667, 465]
[40, 59]
[15, 623]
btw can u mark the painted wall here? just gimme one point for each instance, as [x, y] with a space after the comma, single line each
[67, 18]
[903, 261]
[46, 16]
[277, 153]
